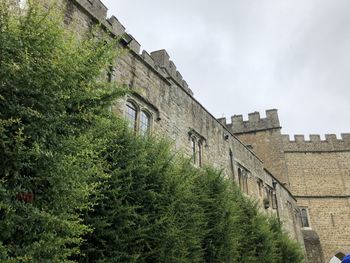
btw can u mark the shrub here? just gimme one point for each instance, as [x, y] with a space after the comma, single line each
[51, 95]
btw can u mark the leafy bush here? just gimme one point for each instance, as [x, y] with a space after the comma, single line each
[148, 212]
[157, 207]
[51, 95]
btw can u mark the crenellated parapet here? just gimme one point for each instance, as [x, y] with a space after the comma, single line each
[95, 8]
[254, 122]
[158, 60]
[315, 144]
[162, 59]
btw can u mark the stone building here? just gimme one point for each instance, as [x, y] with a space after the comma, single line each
[305, 183]
[317, 172]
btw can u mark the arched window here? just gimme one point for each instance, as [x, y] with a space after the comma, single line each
[197, 143]
[144, 123]
[245, 181]
[138, 116]
[304, 217]
[131, 115]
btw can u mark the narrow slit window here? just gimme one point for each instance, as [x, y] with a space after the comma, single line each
[245, 182]
[304, 218]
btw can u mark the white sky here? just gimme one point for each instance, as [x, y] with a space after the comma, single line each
[240, 56]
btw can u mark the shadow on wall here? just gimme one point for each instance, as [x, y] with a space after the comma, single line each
[313, 246]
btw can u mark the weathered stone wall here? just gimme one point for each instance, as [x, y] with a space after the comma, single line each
[313, 246]
[319, 173]
[175, 113]
[263, 135]
[180, 113]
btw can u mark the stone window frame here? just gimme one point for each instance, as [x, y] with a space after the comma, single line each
[270, 197]
[243, 175]
[132, 106]
[267, 196]
[306, 209]
[140, 109]
[145, 112]
[197, 143]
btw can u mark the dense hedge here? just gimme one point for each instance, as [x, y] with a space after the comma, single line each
[50, 165]
[157, 207]
[77, 186]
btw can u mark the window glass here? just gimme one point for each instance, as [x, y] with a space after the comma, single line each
[144, 123]
[131, 115]
[304, 218]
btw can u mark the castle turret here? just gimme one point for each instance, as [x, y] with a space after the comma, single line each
[263, 135]
[254, 122]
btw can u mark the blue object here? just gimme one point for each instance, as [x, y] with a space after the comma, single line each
[346, 259]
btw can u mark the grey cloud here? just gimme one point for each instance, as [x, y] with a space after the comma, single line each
[245, 55]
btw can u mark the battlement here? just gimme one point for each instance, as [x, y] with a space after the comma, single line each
[315, 144]
[158, 60]
[116, 27]
[94, 7]
[162, 59]
[254, 122]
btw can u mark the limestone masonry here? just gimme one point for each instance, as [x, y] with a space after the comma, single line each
[305, 183]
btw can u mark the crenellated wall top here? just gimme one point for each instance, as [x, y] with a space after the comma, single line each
[159, 60]
[315, 144]
[254, 122]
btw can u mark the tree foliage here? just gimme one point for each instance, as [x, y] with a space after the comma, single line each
[51, 95]
[157, 207]
[77, 186]
[147, 213]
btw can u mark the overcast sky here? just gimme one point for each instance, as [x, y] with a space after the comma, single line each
[241, 56]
